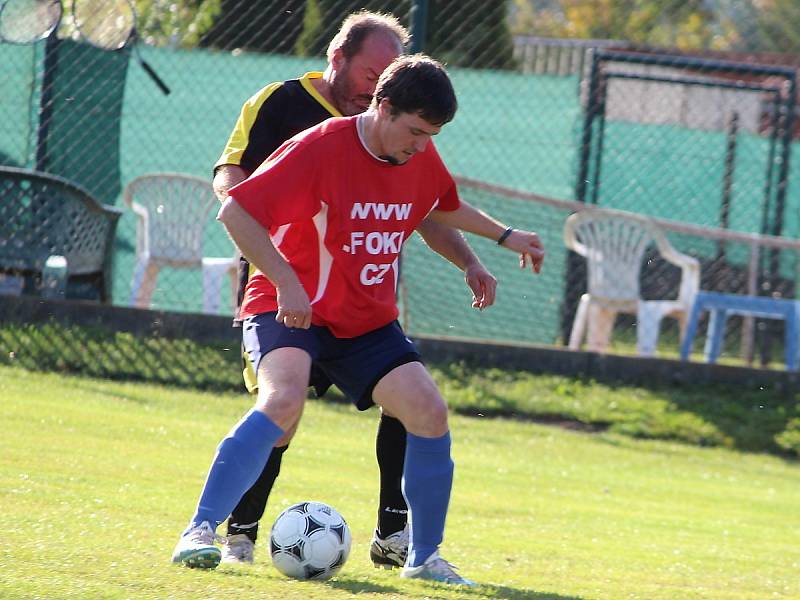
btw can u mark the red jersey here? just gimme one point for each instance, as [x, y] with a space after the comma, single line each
[340, 216]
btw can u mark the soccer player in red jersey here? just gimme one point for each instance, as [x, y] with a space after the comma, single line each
[364, 46]
[367, 182]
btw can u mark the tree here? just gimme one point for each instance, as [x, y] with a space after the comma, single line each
[309, 42]
[687, 24]
[673, 23]
[324, 17]
[177, 23]
[261, 26]
[473, 34]
[779, 26]
[543, 18]
[470, 34]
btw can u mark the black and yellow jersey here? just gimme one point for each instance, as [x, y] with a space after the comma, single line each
[274, 114]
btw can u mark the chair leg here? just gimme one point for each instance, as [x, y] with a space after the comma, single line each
[212, 282]
[716, 332]
[790, 351]
[579, 323]
[687, 336]
[601, 323]
[145, 275]
[648, 324]
[683, 321]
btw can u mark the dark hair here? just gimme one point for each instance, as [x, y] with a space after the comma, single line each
[358, 26]
[418, 84]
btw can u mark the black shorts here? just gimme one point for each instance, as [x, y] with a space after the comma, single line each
[354, 365]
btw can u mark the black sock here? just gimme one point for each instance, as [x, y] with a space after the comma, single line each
[245, 517]
[390, 448]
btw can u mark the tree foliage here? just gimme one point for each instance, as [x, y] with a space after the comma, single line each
[324, 17]
[470, 34]
[779, 26]
[677, 23]
[177, 23]
[262, 26]
[749, 25]
[309, 42]
[473, 34]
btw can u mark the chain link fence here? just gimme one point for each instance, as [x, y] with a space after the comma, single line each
[700, 141]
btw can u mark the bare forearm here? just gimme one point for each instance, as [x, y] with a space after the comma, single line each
[225, 178]
[447, 242]
[255, 244]
[468, 218]
[451, 245]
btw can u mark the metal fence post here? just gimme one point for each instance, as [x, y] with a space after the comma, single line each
[419, 24]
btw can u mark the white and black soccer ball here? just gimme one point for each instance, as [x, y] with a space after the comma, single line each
[309, 540]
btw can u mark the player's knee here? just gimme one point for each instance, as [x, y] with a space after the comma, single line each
[429, 417]
[438, 417]
[283, 405]
[288, 435]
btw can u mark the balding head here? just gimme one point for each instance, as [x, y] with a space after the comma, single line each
[357, 27]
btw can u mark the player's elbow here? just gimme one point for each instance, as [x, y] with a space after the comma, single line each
[221, 185]
[225, 177]
[220, 190]
[227, 211]
[437, 217]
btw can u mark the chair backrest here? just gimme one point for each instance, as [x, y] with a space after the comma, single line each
[614, 243]
[43, 215]
[172, 210]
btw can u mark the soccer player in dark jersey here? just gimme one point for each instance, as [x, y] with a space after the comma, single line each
[366, 43]
[358, 187]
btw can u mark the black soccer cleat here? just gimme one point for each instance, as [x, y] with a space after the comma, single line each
[391, 551]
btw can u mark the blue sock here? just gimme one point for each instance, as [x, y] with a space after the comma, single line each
[427, 481]
[240, 458]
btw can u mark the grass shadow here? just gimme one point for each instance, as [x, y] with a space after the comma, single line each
[480, 591]
[501, 591]
[755, 418]
[749, 418]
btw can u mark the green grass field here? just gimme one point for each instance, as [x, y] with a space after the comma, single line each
[97, 478]
[751, 418]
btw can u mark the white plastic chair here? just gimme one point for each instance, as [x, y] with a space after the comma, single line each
[172, 210]
[614, 243]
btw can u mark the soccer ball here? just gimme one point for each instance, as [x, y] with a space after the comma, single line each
[309, 540]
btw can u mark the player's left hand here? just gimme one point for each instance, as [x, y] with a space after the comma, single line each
[482, 283]
[529, 247]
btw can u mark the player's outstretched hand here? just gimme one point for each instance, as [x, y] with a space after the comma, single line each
[529, 247]
[294, 308]
[483, 285]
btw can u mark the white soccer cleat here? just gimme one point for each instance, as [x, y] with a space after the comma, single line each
[238, 549]
[391, 551]
[435, 568]
[196, 548]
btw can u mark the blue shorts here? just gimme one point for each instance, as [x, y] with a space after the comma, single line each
[354, 365]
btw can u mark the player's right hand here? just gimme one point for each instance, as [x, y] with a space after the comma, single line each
[482, 284]
[294, 308]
